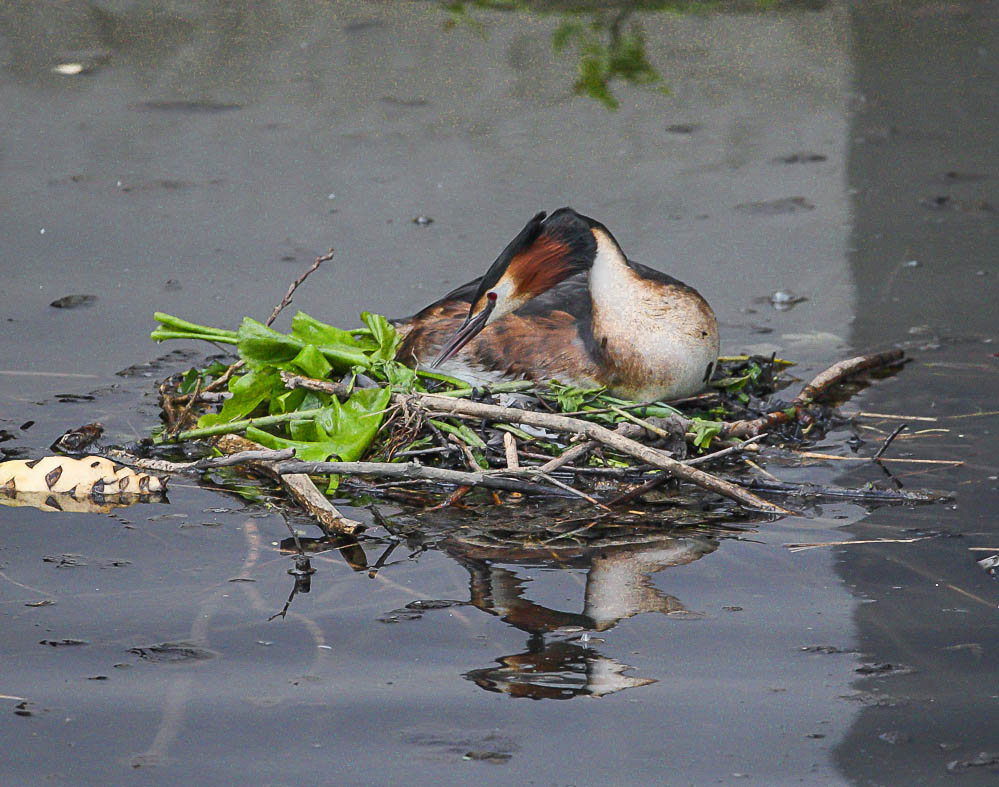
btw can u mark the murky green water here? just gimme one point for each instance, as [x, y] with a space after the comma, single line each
[208, 152]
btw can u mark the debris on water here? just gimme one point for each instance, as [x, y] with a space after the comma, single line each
[80, 62]
[683, 128]
[800, 158]
[302, 568]
[825, 649]
[983, 760]
[911, 264]
[172, 285]
[172, 653]
[423, 221]
[895, 737]
[783, 300]
[882, 669]
[990, 565]
[954, 176]
[65, 561]
[69, 398]
[495, 757]
[943, 202]
[69, 69]
[429, 604]
[46, 602]
[66, 642]
[775, 207]
[874, 700]
[77, 440]
[190, 107]
[74, 301]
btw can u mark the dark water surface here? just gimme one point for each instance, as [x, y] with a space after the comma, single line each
[207, 152]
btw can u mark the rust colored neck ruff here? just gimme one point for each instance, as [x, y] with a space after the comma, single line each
[566, 304]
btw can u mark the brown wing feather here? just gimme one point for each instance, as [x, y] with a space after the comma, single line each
[533, 346]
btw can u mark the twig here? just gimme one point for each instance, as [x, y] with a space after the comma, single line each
[835, 458]
[286, 300]
[608, 438]
[658, 480]
[186, 412]
[413, 470]
[636, 420]
[890, 416]
[802, 547]
[567, 488]
[298, 485]
[451, 500]
[733, 449]
[887, 442]
[571, 454]
[444, 449]
[473, 465]
[973, 415]
[510, 449]
[221, 380]
[229, 460]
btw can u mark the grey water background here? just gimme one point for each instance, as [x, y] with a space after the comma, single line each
[846, 152]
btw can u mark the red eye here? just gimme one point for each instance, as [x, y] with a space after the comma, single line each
[491, 296]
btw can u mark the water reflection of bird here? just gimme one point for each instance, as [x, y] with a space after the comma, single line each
[563, 302]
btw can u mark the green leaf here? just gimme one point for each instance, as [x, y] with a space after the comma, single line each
[569, 398]
[289, 401]
[312, 331]
[260, 345]
[312, 362]
[384, 333]
[248, 392]
[342, 430]
[704, 431]
[398, 375]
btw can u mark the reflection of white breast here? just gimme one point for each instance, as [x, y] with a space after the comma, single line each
[661, 338]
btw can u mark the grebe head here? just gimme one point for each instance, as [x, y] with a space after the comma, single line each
[544, 253]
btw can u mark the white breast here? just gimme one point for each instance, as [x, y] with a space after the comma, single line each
[665, 336]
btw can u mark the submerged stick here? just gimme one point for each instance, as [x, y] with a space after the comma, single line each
[888, 441]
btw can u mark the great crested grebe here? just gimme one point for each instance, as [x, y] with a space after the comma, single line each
[563, 302]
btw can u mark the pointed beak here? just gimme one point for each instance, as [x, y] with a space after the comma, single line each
[469, 330]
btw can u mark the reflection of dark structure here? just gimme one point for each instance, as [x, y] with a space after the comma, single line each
[617, 586]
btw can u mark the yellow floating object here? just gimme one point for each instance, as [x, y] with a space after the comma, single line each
[60, 483]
